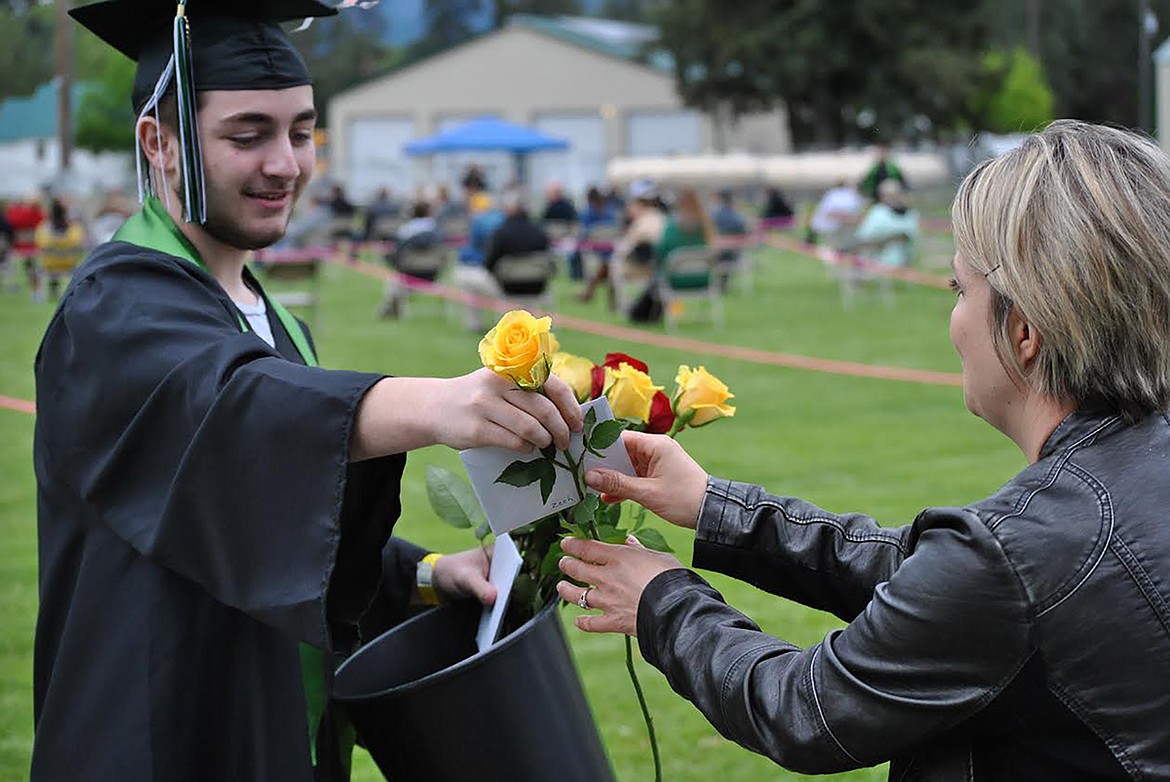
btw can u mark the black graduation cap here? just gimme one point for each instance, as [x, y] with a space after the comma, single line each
[189, 46]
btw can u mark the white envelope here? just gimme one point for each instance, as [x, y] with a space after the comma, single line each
[508, 507]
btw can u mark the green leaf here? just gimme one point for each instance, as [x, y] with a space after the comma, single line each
[453, 499]
[483, 530]
[549, 452]
[585, 510]
[612, 513]
[606, 434]
[608, 534]
[548, 478]
[590, 420]
[551, 558]
[652, 539]
[520, 473]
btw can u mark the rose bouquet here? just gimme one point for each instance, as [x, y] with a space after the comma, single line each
[523, 348]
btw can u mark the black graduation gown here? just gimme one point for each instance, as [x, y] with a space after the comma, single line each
[197, 518]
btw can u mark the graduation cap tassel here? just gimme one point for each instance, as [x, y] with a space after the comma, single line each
[194, 204]
[145, 182]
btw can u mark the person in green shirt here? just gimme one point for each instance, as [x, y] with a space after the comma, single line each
[688, 226]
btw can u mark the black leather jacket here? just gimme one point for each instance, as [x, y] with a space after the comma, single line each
[1026, 637]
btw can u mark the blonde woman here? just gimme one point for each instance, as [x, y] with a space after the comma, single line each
[1025, 636]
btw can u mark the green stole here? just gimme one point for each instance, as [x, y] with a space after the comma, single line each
[154, 229]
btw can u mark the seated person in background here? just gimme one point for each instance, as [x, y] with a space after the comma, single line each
[776, 206]
[882, 170]
[341, 207]
[382, 206]
[445, 207]
[838, 210]
[60, 246]
[7, 239]
[728, 222]
[889, 232]
[689, 226]
[633, 255]
[418, 234]
[597, 212]
[24, 217]
[516, 235]
[485, 218]
[556, 205]
[469, 274]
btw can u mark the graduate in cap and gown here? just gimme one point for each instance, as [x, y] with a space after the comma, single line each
[214, 509]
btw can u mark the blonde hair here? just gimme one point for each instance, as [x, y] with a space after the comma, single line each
[1073, 229]
[689, 201]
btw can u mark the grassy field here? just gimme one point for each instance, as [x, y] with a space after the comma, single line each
[887, 448]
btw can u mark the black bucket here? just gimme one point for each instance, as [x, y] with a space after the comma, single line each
[430, 708]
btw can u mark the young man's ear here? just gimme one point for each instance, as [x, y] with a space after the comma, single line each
[159, 144]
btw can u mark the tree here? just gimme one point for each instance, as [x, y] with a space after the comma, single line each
[844, 69]
[448, 24]
[105, 121]
[1018, 98]
[507, 8]
[722, 61]
[342, 51]
[26, 49]
[641, 11]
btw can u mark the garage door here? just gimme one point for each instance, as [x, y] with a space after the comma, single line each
[664, 133]
[578, 167]
[376, 159]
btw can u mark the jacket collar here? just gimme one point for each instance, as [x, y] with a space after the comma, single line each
[1077, 427]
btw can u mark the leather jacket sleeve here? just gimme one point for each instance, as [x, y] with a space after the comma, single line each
[936, 642]
[794, 549]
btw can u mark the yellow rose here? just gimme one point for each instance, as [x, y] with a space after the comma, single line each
[702, 394]
[576, 371]
[518, 347]
[630, 392]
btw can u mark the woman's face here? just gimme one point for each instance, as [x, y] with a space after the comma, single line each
[988, 390]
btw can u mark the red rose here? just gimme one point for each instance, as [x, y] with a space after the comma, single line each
[661, 416]
[613, 361]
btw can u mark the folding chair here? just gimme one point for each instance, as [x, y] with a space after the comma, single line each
[689, 274]
[856, 267]
[736, 260]
[528, 270]
[425, 263]
[559, 230]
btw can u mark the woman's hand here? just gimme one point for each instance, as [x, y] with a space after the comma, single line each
[616, 575]
[670, 483]
[464, 574]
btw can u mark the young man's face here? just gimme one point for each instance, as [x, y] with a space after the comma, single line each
[257, 157]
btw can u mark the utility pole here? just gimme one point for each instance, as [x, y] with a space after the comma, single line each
[1032, 28]
[1145, 21]
[64, 40]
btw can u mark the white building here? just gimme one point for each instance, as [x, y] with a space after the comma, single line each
[29, 151]
[575, 78]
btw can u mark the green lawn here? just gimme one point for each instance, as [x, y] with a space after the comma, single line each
[887, 448]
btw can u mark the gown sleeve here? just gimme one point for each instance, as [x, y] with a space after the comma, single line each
[207, 452]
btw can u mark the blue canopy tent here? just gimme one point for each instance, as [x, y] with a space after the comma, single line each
[489, 134]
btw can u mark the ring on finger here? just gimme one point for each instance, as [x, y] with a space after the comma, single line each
[583, 600]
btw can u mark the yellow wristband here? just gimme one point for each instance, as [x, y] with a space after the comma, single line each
[424, 580]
